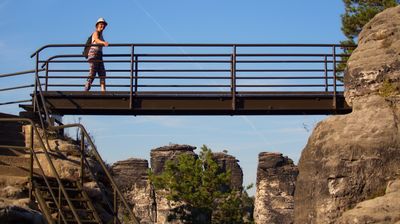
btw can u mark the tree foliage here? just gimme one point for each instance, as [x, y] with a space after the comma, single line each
[360, 12]
[357, 14]
[200, 190]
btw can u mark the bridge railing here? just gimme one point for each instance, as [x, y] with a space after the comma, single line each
[198, 68]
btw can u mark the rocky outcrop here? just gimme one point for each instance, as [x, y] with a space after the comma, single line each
[230, 163]
[374, 67]
[384, 209]
[132, 177]
[159, 157]
[351, 158]
[276, 177]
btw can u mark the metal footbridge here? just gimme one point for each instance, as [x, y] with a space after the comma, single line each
[156, 79]
[192, 79]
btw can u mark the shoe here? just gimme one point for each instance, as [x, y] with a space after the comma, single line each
[87, 86]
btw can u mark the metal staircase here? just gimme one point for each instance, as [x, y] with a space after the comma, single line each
[61, 200]
[81, 203]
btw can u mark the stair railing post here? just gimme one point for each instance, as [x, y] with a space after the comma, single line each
[59, 202]
[47, 77]
[36, 82]
[334, 77]
[82, 158]
[31, 163]
[115, 206]
[233, 78]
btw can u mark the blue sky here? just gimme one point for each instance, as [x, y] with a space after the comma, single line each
[27, 25]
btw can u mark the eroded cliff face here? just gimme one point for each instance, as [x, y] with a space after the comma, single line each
[274, 200]
[351, 158]
[227, 162]
[151, 206]
[132, 177]
[159, 157]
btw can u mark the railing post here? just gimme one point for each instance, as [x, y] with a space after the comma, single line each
[326, 74]
[82, 158]
[334, 78]
[115, 206]
[59, 202]
[36, 82]
[136, 74]
[47, 76]
[131, 78]
[31, 145]
[233, 78]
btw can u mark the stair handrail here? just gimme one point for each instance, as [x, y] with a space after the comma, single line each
[39, 91]
[101, 162]
[17, 86]
[35, 132]
[96, 154]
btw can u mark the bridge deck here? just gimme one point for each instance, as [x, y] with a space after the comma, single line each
[194, 103]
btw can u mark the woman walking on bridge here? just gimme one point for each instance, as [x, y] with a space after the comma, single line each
[95, 56]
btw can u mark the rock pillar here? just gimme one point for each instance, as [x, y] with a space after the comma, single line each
[276, 177]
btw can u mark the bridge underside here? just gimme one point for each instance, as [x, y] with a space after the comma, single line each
[194, 103]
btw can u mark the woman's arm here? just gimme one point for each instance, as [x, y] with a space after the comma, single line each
[97, 40]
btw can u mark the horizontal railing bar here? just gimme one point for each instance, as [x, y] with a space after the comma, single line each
[288, 61]
[212, 55]
[77, 85]
[199, 70]
[297, 85]
[14, 102]
[194, 77]
[289, 85]
[141, 61]
[290, 55]
[20, 73]
[194, 45]
[283, 70]
[146, 70]
[198, 61]
[81, 77]
[17, 87]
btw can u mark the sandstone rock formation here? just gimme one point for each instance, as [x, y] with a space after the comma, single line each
[131, 175]
[227, 162]
[384, 209]
[159, 156]
[351, 158]
[276, 177]
[374, 67]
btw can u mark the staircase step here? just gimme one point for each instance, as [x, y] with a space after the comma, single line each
[82, 221]
[49, 198]
[53, 182]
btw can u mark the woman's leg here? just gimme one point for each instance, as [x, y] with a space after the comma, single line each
[102, 75]
[92, 74]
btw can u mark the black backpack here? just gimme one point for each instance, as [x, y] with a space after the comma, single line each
[87, 47]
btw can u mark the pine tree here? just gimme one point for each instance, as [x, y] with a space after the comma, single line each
[198, 185]
[357, 14]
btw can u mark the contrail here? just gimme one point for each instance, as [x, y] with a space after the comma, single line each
[245, 118]
[154, 20]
